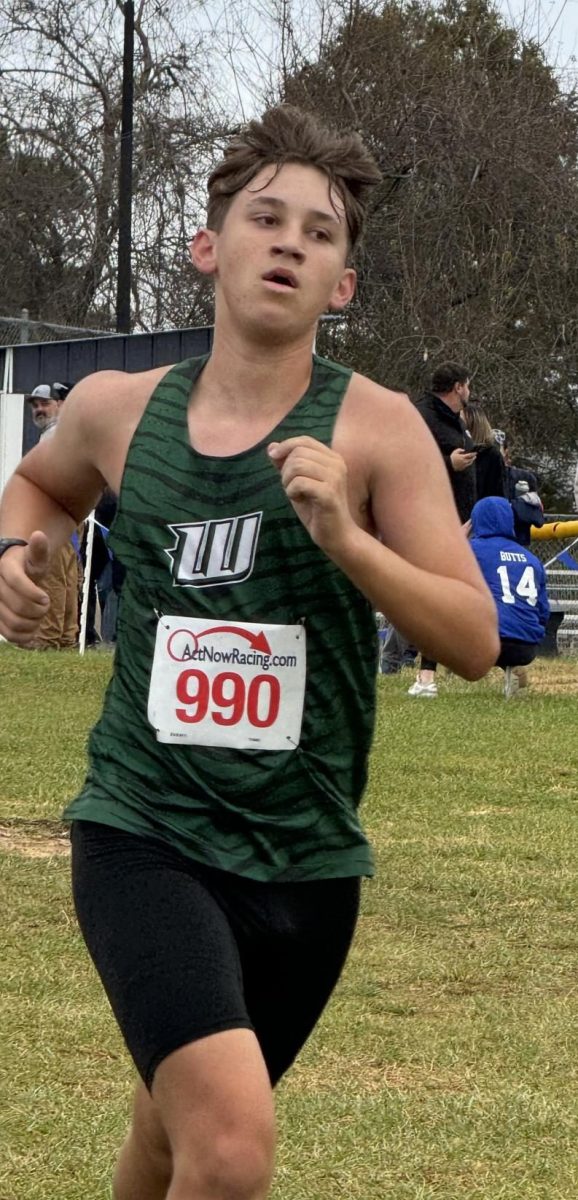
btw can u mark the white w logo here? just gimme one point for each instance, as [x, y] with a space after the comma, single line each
[214, 552]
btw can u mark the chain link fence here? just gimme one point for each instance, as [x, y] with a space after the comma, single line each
[17, 331]
[562, 583]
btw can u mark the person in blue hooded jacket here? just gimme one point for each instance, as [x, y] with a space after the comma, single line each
[517, 581]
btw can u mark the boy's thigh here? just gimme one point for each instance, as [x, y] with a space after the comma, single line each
[291, 966]
[185, 952]
[163, 947]
[213, 1097]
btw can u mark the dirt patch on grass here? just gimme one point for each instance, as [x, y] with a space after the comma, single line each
[554, 677]
[370, 1076]
[34, 839]
[497, 810]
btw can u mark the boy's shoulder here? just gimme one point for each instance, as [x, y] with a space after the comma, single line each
[112, 385]
[361, 385]
[362, 389]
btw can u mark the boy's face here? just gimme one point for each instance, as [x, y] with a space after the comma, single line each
[279, 259]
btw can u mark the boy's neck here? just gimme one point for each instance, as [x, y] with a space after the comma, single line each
[247, 377]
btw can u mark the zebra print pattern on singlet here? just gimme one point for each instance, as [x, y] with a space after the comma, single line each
[283, 815]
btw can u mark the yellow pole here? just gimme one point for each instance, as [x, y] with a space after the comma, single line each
[556, 529]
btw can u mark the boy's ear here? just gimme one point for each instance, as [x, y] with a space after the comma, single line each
[202, 250]
[344, 291]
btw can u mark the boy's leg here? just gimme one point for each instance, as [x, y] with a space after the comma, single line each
[170, 965]
[189, 977]
[215, 1102]
[208, 1131]
[144, 1168]
[289, 977]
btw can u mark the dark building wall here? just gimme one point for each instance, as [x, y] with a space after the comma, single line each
[67, 362]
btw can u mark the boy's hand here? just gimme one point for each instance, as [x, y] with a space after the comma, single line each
[315, 481]
[23, 603]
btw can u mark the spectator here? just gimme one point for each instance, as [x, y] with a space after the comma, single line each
[110, 579]
[522, 492]
[396, 652]
[441, 408]
[106, 576]
[59, 627]
[517, 581]
[489, 466]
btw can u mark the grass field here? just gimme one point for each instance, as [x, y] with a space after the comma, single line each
[445, 1065]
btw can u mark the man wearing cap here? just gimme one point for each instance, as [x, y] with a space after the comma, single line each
[45, 402]
[59, 627]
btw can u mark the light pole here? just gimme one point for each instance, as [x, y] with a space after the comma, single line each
[125, 176]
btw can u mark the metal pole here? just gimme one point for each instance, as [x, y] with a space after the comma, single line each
[86, 583]
[125, 177]
[564, 550]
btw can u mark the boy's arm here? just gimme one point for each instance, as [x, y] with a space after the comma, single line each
[422, 574]
[52, 489]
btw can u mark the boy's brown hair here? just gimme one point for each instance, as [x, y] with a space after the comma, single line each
[287, 135]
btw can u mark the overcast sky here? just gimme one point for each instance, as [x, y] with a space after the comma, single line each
[555, 25]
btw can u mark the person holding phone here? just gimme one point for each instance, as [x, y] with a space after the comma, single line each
[441, 409]
[489, 464]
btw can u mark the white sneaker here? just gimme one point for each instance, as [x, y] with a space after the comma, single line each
[422, 689]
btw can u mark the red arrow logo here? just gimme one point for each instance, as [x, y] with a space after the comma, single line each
[258, 640]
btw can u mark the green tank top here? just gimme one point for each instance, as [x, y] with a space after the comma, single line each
[269, 815]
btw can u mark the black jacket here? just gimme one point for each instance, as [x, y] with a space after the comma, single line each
[450, 434]
[490, 473]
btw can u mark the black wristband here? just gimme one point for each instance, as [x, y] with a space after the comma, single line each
[6, 543]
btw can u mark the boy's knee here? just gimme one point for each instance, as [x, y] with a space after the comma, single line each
[234, 1166]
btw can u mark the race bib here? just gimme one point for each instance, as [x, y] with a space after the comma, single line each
[228, 683]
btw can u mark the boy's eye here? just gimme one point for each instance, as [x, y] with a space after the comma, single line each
[266, 218]
[322, 235]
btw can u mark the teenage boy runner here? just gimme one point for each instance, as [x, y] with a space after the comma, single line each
[267, 501]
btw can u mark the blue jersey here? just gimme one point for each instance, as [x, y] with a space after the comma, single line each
[515, 577]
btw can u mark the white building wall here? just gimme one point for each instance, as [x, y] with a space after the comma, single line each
[11, 429]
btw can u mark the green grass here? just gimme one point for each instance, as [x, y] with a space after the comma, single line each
[445, 1066]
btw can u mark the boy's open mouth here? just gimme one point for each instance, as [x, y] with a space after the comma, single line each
[281, 277]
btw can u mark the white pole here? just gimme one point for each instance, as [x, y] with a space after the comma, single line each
[86, 584]
[8, 369]
[11, 426]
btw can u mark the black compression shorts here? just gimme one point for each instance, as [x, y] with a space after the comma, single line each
[184, 950]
